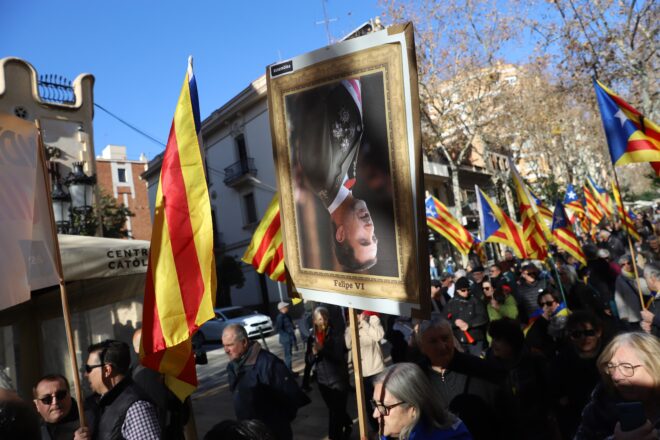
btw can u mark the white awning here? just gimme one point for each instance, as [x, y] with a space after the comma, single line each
[96, 257]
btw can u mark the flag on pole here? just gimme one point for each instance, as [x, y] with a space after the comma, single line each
[630, 136]
[632, 214]
[265, 251]
[180, 284]
[573, 204]
[544, 212]
[532, 229]
[593, 210]
[441, 221]
[603, 198]
[564, 236]
[497, 227]
[626, 220]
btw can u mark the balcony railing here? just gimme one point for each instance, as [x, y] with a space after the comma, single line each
[240, 170]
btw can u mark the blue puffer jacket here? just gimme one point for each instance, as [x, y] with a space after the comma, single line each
[457, 431]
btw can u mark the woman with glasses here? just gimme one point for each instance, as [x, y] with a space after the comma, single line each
[630, 371]
[406, 408]
[499, 301]
[547, 325]
[575, 371]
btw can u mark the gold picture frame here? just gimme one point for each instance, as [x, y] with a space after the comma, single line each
[347, 149]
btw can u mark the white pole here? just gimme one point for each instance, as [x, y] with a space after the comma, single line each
[279, 289]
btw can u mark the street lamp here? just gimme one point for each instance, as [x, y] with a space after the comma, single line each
[81, 189]
[61, 208]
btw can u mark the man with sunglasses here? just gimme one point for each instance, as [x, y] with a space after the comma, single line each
[123, 411]
[58, 410]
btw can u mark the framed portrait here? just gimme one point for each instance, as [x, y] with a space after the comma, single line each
[346, 142]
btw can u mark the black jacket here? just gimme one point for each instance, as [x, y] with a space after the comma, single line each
[112, 409]
[263, 388]
[330, 361]
[65, 428]
[470, 310]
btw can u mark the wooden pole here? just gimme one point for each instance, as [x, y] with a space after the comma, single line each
[60, 273]
[630, 245]
[357, 370]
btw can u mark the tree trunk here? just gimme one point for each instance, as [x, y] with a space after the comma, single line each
[457, 210]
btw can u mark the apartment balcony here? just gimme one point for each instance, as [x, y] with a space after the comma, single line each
[435, 168]
[240, 172]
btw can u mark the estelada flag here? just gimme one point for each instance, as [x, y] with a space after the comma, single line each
[592, 206]
[626, 220]
[266, 251]
[573, 203]
[603, 197]
[532, 228]
[441, 221]
[498, 227]
[564, 236]
[180, 285]
[630, 136]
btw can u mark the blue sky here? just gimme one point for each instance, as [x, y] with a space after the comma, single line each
[137, 50]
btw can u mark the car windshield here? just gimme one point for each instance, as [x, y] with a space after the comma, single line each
[236, 313]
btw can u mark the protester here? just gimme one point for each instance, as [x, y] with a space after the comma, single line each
[122, 409]
[626, 294]
[438, 299]
[575, 373]
[447, 282]
[529, 288]
[287, 332]
[433, 267]
[326, 349]
[56, 406]
[18, 419]
[547, 329]
[510, 262]
[525, 397]
[607, 240]
[370, 333]
[652, 245]
[476, 276]
[406, 408]
[501, 304]
[239, 430]
[651, 316]
[468, 317]
[251, 371]
[464, 384]
[630, 371]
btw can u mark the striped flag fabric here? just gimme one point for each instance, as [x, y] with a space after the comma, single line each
[441, 221]
[564, 236]
[626, 221]
[593, 209]
[497, 227]
[544, 211]
[603, 198]
[630, 136]
[573, 204]
[265, 251]
[532, 228]
[180, 283]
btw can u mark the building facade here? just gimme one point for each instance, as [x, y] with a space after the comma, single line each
[120, 178]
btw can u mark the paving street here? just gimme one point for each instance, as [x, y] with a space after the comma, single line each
[212, 401]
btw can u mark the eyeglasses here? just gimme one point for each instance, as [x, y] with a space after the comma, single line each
[577, 334]
[628, 370]
[548, 303]
[383, 409]
[59, 395]
[89, 368]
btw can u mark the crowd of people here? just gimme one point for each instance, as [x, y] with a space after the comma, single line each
[515, 350]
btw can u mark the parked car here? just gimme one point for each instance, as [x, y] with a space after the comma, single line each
[255, 324]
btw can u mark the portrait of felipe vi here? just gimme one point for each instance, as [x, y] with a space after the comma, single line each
[341, 176]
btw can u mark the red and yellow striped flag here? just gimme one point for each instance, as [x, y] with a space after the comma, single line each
[626, 222]
[593, 209]
[532, 228]
[564, 236]
[180, 285]
[266, 251]
[441, 221]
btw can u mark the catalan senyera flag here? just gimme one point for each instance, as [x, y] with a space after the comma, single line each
[593, 209]
[630, 136]
[532, 228]
[626, 220]
[604, 200]
[564, 236]
[441, 221]
[497, 227]
[180, 283]
[266, 251]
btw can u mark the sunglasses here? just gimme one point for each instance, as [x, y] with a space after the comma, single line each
[487, 288]
[89, 368]
[577, 334]
[463, 290]
[59, 395]
[548, 303]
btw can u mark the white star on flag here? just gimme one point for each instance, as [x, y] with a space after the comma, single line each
[492, 214]
[621, 116]
[571, 195]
